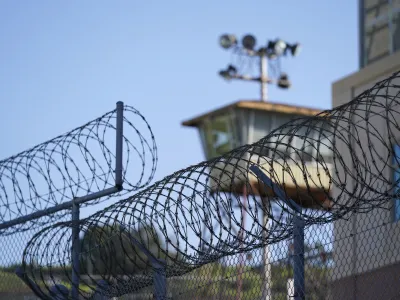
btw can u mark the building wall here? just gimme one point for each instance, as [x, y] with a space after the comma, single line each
[381, 283]
[367, 246]
[379, 26]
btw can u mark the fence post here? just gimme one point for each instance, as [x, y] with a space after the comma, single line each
[119, 143]
[298, 259]
[75, 252]
[75, 205]
[159, 280]
[266, 259]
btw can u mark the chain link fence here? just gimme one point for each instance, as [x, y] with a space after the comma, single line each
[356, 258]
[11, 251]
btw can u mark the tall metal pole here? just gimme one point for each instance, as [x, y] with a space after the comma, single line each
[263, 76]
[75, 251]
[298, 259]
[241, 237]
[266, 292]
[266, 255]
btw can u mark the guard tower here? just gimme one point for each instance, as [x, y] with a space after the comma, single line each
[246, 122]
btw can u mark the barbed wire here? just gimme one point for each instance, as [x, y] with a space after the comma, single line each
[75, 164]
[337, 162]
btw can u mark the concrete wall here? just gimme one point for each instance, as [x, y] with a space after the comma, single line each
[369, 243]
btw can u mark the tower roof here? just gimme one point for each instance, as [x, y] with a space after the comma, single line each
[255, 105]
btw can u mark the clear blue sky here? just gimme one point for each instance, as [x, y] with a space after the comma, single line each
[64, 63]
[67, 62]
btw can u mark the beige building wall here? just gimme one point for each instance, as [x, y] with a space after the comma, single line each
[367, 245]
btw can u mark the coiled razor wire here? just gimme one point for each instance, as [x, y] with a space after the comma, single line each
[75, 164]
[170, 217]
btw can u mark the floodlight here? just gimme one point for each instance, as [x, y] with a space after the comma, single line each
[283, 81]
[276, 48]
[232, 69]
[294, 49]
[279, 47]
[249, 42]
[227, 41]
[228, 73]
[225, 74]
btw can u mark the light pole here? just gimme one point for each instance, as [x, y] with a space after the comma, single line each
[272, 51]
[264, 77]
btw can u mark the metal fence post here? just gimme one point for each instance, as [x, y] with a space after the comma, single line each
[159, 280]
[298, 259]
[119, 128]
[74, 206]
[75, 252]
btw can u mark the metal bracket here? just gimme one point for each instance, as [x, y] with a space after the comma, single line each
[159, 266]
[298, 233]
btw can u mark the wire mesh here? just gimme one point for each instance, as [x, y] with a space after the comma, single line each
[243, 277]
[11, 251]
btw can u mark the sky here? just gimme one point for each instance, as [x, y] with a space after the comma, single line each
[64, 63]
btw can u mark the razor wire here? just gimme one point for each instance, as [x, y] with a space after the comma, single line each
[170, 217]
[75, 164]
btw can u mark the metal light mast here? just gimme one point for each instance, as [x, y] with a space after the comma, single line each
[265, 56]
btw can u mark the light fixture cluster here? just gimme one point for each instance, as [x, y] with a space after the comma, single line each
[229, 73]
[272, 50]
